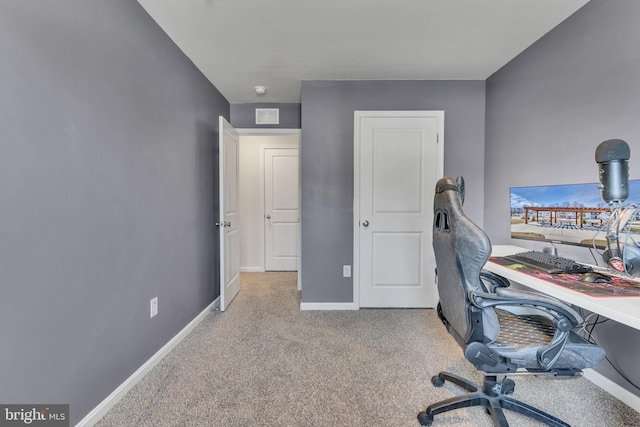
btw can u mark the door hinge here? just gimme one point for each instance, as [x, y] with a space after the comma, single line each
[437, 138]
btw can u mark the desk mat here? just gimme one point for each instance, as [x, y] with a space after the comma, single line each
[619, 286]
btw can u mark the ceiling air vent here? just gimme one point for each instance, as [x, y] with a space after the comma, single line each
[267, 116]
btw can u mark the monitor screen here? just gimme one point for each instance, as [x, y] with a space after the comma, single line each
[573, 214]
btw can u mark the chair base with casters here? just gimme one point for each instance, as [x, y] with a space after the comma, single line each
[492, 395]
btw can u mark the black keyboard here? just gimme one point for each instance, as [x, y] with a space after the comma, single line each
[548, 263]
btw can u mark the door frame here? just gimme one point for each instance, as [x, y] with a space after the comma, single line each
[358, 116]
[275, 132]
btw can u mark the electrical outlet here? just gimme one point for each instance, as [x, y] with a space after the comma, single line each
[346, 271]
[154, 307]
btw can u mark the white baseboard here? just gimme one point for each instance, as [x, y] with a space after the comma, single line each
[99, 411]
[251, 270]
[328, 306]
[613, 389]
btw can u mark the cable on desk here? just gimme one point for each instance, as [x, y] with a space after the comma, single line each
[593, 256]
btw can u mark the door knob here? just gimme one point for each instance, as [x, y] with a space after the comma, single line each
[268, 216]
[365, 223]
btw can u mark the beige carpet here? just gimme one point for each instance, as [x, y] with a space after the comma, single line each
[263, 362]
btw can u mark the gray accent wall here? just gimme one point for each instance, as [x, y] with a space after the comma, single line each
[107, 197]
[327, 164]
[547, 111]
[243, 115]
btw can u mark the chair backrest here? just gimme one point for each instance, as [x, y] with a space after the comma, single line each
[461, 249]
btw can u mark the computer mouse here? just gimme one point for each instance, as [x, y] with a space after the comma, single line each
[593, 277]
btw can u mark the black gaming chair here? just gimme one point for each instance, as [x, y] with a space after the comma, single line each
[474, 308]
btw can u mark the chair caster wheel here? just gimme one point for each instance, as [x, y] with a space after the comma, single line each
[425, 419]
[437, 381]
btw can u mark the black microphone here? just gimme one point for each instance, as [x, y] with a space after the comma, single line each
[613, 168]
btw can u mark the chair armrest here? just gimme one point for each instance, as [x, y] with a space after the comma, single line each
[565, 317]
[496, 280]
[551, 306]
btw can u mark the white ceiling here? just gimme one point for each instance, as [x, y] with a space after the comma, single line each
[239, 44]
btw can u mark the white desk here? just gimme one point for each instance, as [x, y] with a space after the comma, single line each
[624, 310]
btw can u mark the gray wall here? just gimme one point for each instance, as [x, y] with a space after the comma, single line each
[327, 164]
[108, 141]
[243, 116]
[548, 110]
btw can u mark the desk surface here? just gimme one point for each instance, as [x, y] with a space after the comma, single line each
[624, 310]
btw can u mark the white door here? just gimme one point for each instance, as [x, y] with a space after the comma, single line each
[281, 206]
[399, 158]
[229, 218]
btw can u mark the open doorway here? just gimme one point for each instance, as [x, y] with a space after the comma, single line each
[269, 200]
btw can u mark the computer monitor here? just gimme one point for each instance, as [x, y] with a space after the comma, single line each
[572, 214]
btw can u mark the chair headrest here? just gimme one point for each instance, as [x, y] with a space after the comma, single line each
[446, 183]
